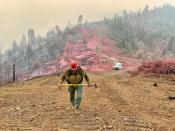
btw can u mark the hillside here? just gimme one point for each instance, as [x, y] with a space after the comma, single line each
[96, 52]
[121, 102]
[147, 34]
[131, 38]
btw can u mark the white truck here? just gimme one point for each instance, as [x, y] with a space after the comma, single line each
[117, 66]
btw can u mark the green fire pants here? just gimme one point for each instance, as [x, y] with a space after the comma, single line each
[75, 101]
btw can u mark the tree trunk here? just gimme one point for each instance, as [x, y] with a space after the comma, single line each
[14, 78]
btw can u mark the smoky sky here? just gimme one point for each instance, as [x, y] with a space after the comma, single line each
[17, 16]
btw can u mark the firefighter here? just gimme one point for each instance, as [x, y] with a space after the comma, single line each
[74, 75]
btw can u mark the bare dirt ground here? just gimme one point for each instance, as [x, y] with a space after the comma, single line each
[121, 103]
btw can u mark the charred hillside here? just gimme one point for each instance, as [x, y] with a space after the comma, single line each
[148, 34]
[130, 38]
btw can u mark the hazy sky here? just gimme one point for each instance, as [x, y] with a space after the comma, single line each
[17, 16]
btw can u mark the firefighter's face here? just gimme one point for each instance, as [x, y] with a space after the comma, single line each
[74, 71]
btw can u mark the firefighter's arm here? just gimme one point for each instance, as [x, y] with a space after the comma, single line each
[59, 83]
[63, 77]
[90, 83]
[85, 76]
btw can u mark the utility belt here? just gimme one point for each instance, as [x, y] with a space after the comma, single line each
[74, 81]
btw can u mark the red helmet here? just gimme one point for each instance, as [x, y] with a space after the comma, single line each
[74, 66]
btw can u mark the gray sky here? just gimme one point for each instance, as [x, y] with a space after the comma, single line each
[17, 16]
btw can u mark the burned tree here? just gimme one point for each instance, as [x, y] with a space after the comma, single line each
[80, 19]
[14, 73]
[29, 55]
[31, 36]
[23, 41]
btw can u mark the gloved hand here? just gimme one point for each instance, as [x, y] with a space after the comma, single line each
[59, 85]
[90, 83]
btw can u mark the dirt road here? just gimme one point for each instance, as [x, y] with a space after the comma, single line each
[121, 103]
